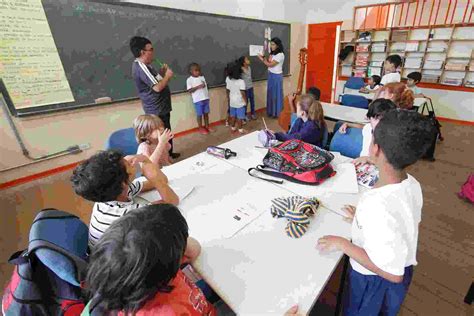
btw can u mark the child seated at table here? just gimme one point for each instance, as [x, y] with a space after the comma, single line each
[414, 78]
[385, 224]
[375, 112]
[310, 125]
[373, 83]
[314, 91]
[134, 269]
[153, 139]
[107, 178]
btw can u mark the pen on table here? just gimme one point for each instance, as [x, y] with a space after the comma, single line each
[238, 210]
[263, 119]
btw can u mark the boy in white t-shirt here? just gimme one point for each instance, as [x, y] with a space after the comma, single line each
[390, 66]
[237, 98]
[196, 85]
[385, 225]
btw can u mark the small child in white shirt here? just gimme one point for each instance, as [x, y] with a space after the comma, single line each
[196, 85]
[390, 66]
[236, 95]
[385, 224]
[373, 83]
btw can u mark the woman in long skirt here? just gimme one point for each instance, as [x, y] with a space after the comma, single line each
[274, 62]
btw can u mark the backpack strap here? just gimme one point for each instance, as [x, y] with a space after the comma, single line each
[267, 172]
[80, 263]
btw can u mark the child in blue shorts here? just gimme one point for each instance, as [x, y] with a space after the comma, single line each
[196, 85]
[385, 223]
[236, 95]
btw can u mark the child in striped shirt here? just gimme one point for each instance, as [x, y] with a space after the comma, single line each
[107, 178]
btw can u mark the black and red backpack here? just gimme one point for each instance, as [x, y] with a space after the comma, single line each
[296, 161]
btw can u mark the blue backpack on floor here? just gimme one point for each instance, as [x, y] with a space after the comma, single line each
[47, 276]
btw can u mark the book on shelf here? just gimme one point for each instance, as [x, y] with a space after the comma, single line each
[364, 48]
[378, 47]
[413, 62]
[452, 81]
[469, 83]
[433, 64]
[376, 63]
[359, 73]
[412, 46]
[399, 35]
[374, 71]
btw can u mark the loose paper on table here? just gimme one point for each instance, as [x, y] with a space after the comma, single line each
[29, 61]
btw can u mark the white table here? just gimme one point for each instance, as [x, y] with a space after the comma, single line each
[259, 270]
[337, 112]
[417, 102]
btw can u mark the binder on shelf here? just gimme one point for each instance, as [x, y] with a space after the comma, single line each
[433, 64]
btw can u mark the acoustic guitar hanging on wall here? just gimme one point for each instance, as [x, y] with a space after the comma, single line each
[285, 115]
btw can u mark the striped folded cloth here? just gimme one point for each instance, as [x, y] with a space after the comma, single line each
[297, 210]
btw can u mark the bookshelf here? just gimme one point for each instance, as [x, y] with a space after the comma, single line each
[443, 54]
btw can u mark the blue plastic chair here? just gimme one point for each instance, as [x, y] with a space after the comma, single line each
[355, 101]
[123, 140]
[354, 83]
[348, 144]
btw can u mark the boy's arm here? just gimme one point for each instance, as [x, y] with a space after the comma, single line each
[228, 97]
[356, 253]
[159, 182]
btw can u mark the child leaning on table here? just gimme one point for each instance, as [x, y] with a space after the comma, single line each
[374, 114]
[385, 224]
[107, 178]
[134, 268]
[153, 139]
[373, 83]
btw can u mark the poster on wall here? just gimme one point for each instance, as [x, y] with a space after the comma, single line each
[30, 66]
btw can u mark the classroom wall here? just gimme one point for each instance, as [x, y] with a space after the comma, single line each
[50, 133]
[457, 105]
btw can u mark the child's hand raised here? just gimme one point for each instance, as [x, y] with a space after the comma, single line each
[134, 160]
[291, 97]
[165, 136]
[152, 172]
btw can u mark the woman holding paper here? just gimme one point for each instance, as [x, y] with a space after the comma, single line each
[274, 62]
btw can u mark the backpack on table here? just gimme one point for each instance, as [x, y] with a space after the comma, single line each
[296, 161]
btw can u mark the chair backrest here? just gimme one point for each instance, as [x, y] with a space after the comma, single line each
[348, 144]
[354, 83]
[324, 141]
[355, 101]
[123, 140]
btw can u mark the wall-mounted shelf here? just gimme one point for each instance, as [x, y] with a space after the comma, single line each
[436, 46]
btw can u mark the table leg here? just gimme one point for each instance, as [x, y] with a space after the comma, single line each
[340, 293]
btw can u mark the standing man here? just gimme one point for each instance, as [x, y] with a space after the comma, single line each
[152, 86]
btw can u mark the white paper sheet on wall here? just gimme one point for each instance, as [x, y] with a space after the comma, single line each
[255, 50]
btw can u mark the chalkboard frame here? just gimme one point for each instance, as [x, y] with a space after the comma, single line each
[62, 107]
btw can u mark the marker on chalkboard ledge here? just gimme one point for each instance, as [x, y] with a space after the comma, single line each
[103, 100]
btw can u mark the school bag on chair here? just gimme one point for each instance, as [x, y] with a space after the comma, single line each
[46, 278]
[296, 161]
